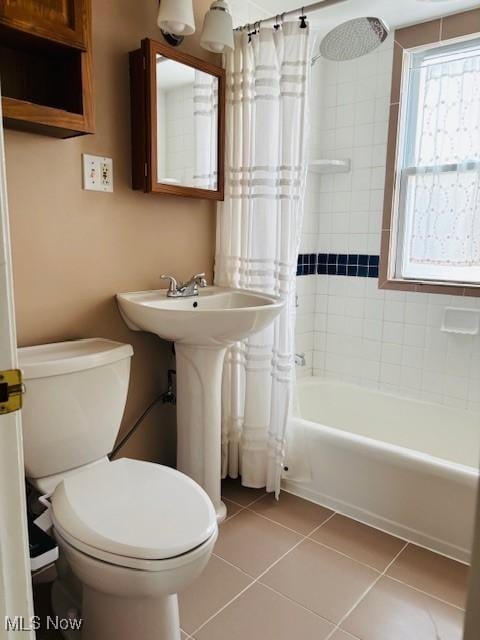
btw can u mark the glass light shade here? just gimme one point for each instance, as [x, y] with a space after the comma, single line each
[176, 16]
[217, 34]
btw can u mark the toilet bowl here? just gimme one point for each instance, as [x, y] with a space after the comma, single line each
[134, 534]
[131, 534]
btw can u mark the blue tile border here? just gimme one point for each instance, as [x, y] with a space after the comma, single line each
[338, 264]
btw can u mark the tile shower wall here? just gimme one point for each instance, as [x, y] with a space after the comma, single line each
[348, 329]
[179, 131]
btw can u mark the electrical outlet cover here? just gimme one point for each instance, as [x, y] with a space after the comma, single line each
[97, 173]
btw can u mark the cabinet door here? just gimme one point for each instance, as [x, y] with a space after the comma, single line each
[58, 20]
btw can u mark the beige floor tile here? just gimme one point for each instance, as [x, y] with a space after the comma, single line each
[393, 611]
[218, 584]
[232, 507]
[261, 614]
[252, 543]
[362, 543]
[432, 573]
[293, 512]
[342, 635]
[320, 579]
[234, 491]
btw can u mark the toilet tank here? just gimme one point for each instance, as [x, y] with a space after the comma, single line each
[74, 402]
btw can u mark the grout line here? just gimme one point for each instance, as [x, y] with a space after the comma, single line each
[323, 523]
[284, 526]
[233, 501]
[345, 555]
[425, 593]
[244, 506]
[234, 566]
[256, 500]
[302, 606]
[233, 514]
[307, 537]
[363, 596]
[257, 579]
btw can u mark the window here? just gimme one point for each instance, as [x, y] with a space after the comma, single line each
[436, 206]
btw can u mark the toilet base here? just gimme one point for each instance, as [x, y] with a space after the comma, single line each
[221, 511]
[107, 617]
[63, 606]
[122, 603]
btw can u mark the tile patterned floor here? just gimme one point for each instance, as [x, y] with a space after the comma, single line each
[293, 569]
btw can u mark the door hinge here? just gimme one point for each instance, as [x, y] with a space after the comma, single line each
[11, 391]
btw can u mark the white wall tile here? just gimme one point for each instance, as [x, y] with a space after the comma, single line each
[390, 340]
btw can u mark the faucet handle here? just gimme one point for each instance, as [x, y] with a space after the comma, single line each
[173, 286]
[199, 278]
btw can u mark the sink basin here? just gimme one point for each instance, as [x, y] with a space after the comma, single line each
[202, 327]
[218, 316]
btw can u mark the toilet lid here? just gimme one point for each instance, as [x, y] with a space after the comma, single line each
[134, 509]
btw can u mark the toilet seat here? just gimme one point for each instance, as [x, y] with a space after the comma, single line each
[170, 564]
[133, 513]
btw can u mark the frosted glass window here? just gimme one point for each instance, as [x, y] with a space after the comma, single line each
[438, 166]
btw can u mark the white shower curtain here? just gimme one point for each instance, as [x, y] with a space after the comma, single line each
[258, 235]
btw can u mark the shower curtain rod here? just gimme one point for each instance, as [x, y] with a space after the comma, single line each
[315, 6]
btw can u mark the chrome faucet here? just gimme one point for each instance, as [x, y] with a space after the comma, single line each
[185, 289]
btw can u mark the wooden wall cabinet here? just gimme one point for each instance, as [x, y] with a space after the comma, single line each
[46, 66]
[159, 113]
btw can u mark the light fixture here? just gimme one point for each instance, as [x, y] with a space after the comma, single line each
[176, 20]
[217, 34]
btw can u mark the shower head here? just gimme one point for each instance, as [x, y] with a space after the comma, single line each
[353, 39]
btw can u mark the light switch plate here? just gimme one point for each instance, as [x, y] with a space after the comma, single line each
[97, 173]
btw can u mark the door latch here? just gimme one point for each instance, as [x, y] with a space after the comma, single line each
[11, 391]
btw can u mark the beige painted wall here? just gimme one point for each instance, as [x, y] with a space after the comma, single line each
[74, 249]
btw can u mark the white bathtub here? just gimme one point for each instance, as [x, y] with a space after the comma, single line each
[407, 467]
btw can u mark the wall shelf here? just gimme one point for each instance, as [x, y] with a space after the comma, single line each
[324, 166]
[46, 67]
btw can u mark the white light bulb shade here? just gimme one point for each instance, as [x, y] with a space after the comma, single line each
[176, 17]
[217, 34]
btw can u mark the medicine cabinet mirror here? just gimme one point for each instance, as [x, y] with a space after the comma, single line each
[178, 113]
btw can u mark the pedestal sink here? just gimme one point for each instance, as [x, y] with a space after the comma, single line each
[202, 327]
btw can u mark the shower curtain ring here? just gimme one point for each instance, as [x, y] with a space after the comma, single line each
[276, 26]
[303, 19]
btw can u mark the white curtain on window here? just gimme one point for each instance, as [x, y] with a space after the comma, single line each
[444, 191]
[258, 235]
[205, 128]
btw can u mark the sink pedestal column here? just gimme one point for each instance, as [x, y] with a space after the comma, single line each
[199, 406]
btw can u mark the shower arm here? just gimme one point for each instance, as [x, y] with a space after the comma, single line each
[315, 6]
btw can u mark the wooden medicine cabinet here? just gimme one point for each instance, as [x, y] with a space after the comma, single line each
[178, 123]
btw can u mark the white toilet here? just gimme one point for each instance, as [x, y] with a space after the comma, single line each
[131, 534]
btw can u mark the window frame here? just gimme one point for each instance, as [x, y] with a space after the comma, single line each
[410, 41]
